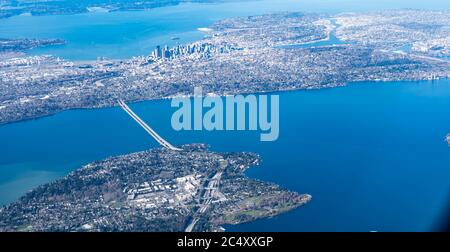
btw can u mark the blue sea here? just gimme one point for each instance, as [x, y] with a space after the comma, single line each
[372, 155]
[119, 35]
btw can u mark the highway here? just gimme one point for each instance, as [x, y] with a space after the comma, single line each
[191, 225]
[211, 190]
[210, 193]
[147, 128]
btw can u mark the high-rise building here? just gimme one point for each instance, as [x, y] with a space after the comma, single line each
[165, 52]
[158, 51]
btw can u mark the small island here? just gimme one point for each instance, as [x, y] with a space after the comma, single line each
[155, 190]
[447, 138]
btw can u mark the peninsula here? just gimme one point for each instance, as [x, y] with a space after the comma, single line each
[156, 190]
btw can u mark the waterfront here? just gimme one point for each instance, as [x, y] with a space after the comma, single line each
[120, 35]
[373, 156]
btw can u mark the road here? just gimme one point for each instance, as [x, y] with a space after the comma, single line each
[147, 128]
[210, 192]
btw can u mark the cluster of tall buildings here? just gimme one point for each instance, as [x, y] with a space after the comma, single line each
[161, 53]
[200, 49]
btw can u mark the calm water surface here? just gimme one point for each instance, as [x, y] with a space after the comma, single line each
[372, 156]
[121, 35]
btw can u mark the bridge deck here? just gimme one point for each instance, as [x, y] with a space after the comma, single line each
[147, 128]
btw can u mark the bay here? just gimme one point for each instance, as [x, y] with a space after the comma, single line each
[119, 35]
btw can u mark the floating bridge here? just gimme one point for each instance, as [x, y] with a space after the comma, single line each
[147, 128]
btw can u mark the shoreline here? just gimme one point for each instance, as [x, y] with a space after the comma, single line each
[290, 199]
[256, 90]
[330, 86]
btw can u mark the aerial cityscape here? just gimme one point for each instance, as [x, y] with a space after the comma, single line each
[35, 86]
[344, 112]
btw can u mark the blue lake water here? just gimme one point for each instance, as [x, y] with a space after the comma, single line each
[372, 156]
